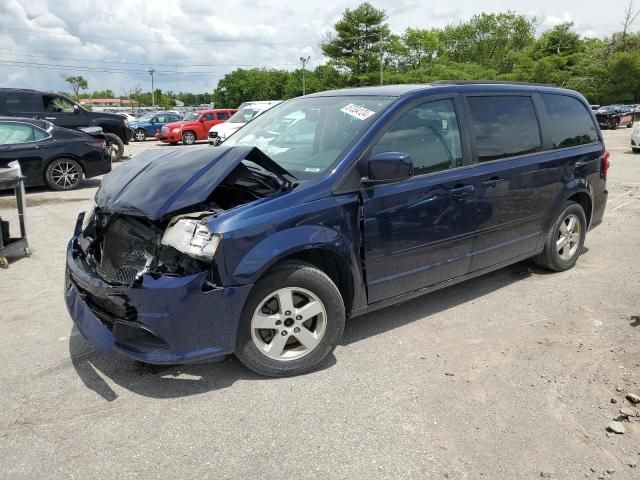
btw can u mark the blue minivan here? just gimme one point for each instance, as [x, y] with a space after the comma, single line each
[264, 246]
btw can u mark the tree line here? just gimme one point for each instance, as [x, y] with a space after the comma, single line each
[489, 46]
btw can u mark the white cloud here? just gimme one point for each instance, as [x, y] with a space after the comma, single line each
[209, 39]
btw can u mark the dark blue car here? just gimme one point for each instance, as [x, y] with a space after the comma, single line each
[151, 123]
[263, 247]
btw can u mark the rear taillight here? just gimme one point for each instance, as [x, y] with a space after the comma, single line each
[606, 163]
[97, 143]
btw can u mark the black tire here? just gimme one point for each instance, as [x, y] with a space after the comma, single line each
[550, 257]
[291, 275]
[115, 146]
[635, 149]
[629, 125]
[614, 126]
[188, 138]
[140, 135]
[63, 174]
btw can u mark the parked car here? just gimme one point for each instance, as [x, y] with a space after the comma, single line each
[246, 112]
[151, 123]
[264, 246]
[130, 118]
[635, 140]
[64, 112]
[614, 116]
[48, 155]
[194, 126]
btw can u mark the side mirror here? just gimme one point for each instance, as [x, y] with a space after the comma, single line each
[76, 108]
[387, 167]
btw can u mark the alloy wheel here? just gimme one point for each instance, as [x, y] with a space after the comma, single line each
[66, 174]
[140, 135]
[188, 138]
[288, 324]
[568, 239]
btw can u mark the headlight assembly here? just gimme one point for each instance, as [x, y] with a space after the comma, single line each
[192, 238]
[88, 216]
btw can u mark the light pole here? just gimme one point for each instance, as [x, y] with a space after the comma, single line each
[304, 64]
[153, 90]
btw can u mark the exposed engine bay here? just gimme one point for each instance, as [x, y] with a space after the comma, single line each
[121, 247]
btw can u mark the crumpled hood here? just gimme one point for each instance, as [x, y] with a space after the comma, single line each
[157, 182]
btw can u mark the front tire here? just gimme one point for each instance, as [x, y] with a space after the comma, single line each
[293, 319]
[115, 146]
[635, 149]
[63, 174]
[188, 138]
[564, 240]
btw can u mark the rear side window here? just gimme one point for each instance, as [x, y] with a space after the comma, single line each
[17, 103]
[504, 126]
[222, 115]
[569, 121]
[11, 133]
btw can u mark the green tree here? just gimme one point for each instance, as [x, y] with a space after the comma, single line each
[422, 45]
[77, 83]
[358, 42]
[489, 39]
[243, 85]
[108, 93]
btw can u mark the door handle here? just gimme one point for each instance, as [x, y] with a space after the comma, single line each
[50, 118]
[492, 182]
[461, 192]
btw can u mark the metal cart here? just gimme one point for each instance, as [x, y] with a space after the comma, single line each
[11, 178]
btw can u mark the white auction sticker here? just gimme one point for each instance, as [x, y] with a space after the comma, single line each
[357, 111]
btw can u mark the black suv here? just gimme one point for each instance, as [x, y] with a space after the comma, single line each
[63, 112]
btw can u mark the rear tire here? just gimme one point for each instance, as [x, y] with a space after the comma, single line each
[303, 315]
[140, 135]
[635, 149]
[63, 174]
[564, 240]
[188, 138]
[115, 146]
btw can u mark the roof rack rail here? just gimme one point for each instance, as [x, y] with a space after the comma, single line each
[488, 82]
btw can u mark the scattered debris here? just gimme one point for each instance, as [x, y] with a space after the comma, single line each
[613, 400]
[545, 474]
[616, 427]
[633, 398]
[449, 374]
[627, 412]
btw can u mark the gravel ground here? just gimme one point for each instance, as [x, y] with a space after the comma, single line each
[509, 376]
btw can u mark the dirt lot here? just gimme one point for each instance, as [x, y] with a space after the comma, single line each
[513, 375]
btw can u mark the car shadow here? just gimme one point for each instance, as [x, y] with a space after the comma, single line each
[93, 366]
[390, 318]
[155, 381]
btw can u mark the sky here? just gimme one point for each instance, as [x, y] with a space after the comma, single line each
[191, 43]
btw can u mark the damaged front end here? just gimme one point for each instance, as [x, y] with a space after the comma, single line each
[142, 274]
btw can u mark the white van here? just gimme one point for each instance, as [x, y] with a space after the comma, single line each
[246, 112]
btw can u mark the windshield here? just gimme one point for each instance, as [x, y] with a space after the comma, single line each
[307, 135]
[145, 118]
[244, 114]
[608, 109]
[191, 116]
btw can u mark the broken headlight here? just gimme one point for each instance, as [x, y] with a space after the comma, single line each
[88, 217]
[192, 238]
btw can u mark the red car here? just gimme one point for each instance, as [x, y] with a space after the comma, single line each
[194, 126]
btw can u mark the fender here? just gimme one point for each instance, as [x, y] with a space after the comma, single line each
[575, 185]
[284, 243]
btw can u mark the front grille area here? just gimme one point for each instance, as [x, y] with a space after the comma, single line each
[213, 134]
[126, 245]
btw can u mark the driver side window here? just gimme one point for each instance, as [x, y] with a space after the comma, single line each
[429, 133]
[57, 105]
